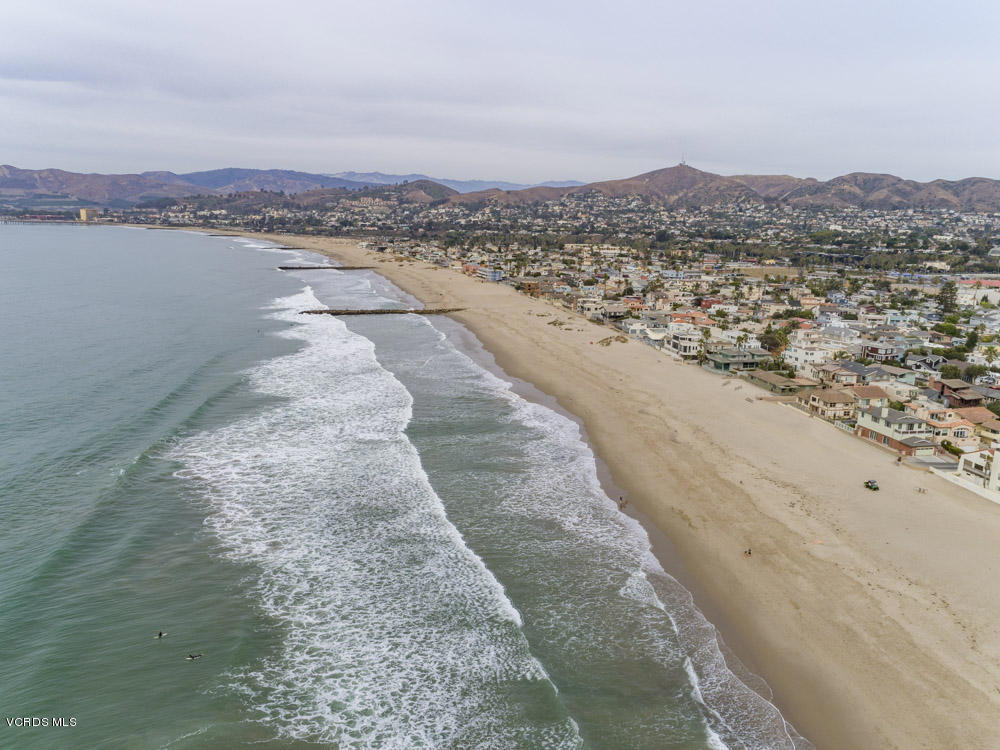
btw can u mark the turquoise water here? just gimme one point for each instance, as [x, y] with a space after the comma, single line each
[373, 541]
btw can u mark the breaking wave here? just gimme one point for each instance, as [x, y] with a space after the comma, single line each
[394, 632]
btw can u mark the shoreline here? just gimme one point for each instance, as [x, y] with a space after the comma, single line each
[661, 547]
[872, 619]
[659, 544]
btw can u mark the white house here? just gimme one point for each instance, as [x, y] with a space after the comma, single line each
[982, 468]
[802, 357]
[740, 339]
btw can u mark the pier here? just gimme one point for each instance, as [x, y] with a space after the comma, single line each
[386, 311]
[326, 268]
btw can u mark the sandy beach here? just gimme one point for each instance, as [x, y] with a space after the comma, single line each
[872, 616]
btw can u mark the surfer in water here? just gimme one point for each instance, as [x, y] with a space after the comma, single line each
[192, 657]
[159, 634]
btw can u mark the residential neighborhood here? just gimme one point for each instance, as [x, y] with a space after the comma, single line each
[885, 323]
[900, 363]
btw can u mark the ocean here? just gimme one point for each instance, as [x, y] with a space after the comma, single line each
[373, 538]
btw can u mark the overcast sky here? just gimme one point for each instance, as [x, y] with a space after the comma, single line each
[525, 91]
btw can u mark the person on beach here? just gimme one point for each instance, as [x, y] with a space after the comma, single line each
[622, 502]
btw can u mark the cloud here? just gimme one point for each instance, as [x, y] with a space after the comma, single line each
[524, 91]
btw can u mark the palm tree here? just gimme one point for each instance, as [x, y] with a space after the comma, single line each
[737, 291]
[991, 353]
[703, 344]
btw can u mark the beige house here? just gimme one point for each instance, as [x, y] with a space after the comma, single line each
[946, 424]
[986, 423]
[869, 395]
[829, 403]
[833, 374]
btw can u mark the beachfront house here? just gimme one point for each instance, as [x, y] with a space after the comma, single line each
[614, 310]
[897, 430]
[829, 403]
[726, 359]
[490, 274]
[656, 337]
[685, 344]
[774, 382]
[981, 468]
[590, 308]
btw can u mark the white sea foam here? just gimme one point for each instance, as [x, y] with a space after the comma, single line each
[293, 255]
[329, 540]
[559, 484]
[394, 632]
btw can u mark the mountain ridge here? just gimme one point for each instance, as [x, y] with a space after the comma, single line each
[237, 179]
[461, 186]
[679, 186]
[685, 186]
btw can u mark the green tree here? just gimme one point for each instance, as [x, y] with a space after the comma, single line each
[974, 371]
[703, 344]
[950, 372]
[948, 297]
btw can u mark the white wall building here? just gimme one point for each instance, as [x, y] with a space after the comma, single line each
[803, 357]
[736, 338]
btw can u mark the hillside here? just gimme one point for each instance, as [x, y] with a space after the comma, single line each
[425, 191]
[420, 192]
[105, 189]
[461, 186]
[235, 180]
[773, 186]
[680, 185]
[119, 190]
[685, 186]
[674, 186]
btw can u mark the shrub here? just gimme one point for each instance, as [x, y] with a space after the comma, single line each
[952, 449]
